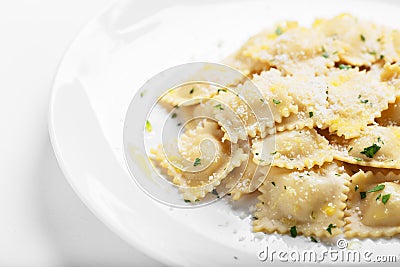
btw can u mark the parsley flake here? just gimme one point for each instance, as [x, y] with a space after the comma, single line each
[330, 227]
[356, 187]
[276, 102]
[219, 106]
[187, 200]
[191, 90]
[221, 89]
[273, 183]
[197, 162]
[278, 30]
[371, 150]
[363, 195]
[214, 192]
[344, 67]
[293, 231]
[362, 37]
[312, 239]
[311, 114]
[377, 188]
[173, 116]
[378, 197]
[385, 198]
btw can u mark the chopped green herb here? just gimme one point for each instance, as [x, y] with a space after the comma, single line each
[176, 106]
[262, 100]
[311, 114]
[337, 174]
[254, 218]
[273, 183]
[148, 126]
[371, 150]
[357, 159]
[179, 124]
[362, 37]
[377, 188]
[221, 89]
[363, 195]
[278, 30]
[380, 141]
[359, 96]
[378, 197]
[214, 192]
[229, 194]
[344, 67]
[141, 94]
[356, 187]
[365, 101]
[381, 57]
[293, 231]
[379, 39]
[330, 227]
[197, 162]
[219, 106]
[191, 91]
[273, 153]
[187, 200]
[350, 149]
[372, 53]
[325, 55]
[284, 186]
[256, 153]
[276, 102]
[385, 198]
[312, 239]
[173, 116]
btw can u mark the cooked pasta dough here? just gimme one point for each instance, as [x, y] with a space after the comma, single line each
[294, 150]
[201, 165]
[373, 207]
[376, 147]
[355, 100]
[310, 200]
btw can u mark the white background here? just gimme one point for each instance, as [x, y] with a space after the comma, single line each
[43, 223]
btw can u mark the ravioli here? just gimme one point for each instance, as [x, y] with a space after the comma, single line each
[312, 201]
[373, 207]
[202, 160]
[355, 100]
[377, 147]
[293, 150]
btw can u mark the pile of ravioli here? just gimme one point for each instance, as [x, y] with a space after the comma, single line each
[334, 92]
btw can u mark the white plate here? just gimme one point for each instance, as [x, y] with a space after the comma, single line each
[110, 59]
